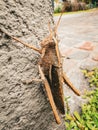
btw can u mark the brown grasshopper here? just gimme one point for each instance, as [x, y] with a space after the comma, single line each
[50, 69]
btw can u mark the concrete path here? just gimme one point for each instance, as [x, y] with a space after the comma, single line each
[78, 34]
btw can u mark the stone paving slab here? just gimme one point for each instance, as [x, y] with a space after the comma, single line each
[79, 55]
[78, 34]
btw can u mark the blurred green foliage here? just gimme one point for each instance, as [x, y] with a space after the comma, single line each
[58, 9]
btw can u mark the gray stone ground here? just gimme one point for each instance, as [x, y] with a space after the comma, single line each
[78, 30]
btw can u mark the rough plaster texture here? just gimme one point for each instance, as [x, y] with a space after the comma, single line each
[23, 107]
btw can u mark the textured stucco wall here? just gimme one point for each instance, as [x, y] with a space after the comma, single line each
[23, 107]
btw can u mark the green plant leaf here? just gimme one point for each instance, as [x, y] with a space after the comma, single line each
[69, 117]
[76, 114]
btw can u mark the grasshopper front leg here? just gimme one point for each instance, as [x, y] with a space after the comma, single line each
[66, 80]
[20, 41]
